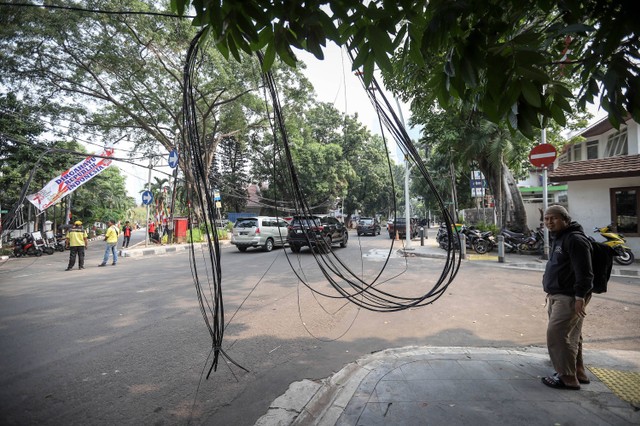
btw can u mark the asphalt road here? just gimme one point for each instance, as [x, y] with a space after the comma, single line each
[128, 345]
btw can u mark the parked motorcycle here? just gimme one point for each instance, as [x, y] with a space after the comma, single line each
[532, 243]
[61, 242]
[485, 243]
[25, 246]
[624, 256]
[41, 243]
[474, 239]
[54, 242]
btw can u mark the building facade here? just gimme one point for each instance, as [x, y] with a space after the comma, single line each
[602, 178]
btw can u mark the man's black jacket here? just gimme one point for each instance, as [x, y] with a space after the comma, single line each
[569, 270]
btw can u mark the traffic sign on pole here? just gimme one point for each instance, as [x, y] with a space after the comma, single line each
[147, 198]
[543, 155]
[173, 159]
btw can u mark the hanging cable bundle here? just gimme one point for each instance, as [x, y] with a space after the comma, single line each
[199, 197]
[346, 283]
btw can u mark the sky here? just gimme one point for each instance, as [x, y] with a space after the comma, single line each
[335, 83]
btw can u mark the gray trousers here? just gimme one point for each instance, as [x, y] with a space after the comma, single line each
[564, 333]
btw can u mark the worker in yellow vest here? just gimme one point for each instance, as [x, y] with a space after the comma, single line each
[111, 239]
[76, 241]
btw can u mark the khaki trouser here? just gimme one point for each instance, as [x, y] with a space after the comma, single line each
[564, 333]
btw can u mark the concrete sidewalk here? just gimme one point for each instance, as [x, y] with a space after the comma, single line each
[465, 385]
[462, 386]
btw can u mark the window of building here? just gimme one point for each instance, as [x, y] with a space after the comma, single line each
[577, 152]
[592, 150]
[625, 204]
[617, 144]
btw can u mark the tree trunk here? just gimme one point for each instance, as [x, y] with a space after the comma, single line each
[507, 197]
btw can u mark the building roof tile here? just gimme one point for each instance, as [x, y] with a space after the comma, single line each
[601, 168]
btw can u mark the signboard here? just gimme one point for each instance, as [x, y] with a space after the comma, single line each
[543, 155]
[70, 180]
[173, 159]
[478, 184]
[147, 198]
[216, 195]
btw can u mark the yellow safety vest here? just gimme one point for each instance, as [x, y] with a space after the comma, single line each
[76, 237]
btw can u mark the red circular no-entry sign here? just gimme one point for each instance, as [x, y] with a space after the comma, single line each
[543, 155]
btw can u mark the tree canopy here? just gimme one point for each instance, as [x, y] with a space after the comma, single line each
[510, 59]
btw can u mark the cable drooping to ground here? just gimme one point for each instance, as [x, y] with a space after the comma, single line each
[200, 198]
[345, 283]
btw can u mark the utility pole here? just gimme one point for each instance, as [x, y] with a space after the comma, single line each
[146, 238]
[67, 213]
[407, 204]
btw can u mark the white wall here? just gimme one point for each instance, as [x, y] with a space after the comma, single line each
[589, 205]
[633, 137]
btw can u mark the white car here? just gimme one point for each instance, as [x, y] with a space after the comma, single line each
[259, 231]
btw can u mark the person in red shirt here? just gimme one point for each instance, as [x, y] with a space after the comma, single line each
[152, 230]
[126, 232]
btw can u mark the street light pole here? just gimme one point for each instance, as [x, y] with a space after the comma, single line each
[146, 238]
[407, 204]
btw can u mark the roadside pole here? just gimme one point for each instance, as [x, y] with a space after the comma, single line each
[407, 205]
[146, 234]
[544, 155]
[545, 201]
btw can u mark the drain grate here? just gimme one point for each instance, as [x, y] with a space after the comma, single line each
[625, 384]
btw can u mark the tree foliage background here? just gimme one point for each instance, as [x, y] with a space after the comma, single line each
[509, 59]
[109, 76]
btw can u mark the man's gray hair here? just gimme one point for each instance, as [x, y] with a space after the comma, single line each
[560, 211]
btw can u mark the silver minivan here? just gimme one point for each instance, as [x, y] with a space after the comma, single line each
[259, 231]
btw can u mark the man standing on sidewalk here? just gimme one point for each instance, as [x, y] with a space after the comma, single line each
[76, 242]
[568, 280]
[126, 233]
[111, 238]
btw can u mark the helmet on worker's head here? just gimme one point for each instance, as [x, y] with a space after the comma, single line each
[77, 222]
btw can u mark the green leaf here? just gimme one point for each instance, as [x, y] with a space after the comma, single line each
[469, 74]
[287, 56]
[525, 128]
[531, 93]
[533, 74]
[525, 58]
[558, 115]
[234, 51]
[264, 37]
[368, 70]
[562, 103]
[400, 38]
[379, 39]
[223, 48]
[360, 58]
[269, 57]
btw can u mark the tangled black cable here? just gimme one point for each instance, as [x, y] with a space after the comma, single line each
[346, 284]
[199, 197]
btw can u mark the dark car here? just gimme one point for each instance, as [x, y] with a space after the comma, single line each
[317, 232]
[368, 225]
[400, 225]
